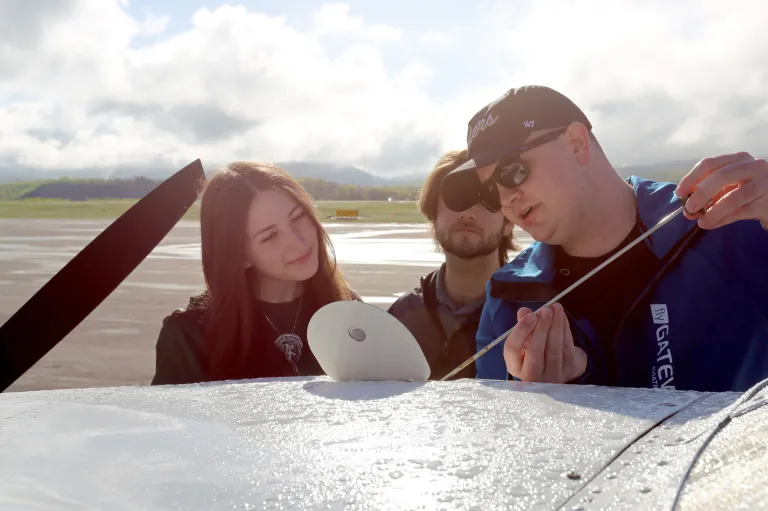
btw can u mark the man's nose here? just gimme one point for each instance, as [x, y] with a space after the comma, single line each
[470, 213]
[508, 195]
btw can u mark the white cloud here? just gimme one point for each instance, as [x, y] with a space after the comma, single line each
[658, 79]
[238, 84]
[336, 19]
[434, 38]
[675, 78]
[154, 25]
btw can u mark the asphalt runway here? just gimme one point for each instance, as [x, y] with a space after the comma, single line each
[115, 345]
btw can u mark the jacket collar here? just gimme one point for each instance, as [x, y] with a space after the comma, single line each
[655, 200]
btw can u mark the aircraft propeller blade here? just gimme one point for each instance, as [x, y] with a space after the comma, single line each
[94, 273]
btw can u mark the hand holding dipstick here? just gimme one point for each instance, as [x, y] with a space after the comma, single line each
[540, 347]
[561, 340]
[733, 186]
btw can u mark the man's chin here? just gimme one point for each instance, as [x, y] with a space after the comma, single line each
[470, 257]
[468, 252]
[467, 245]
[543, 236]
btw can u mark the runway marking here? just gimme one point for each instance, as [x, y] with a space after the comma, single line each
[379, 299]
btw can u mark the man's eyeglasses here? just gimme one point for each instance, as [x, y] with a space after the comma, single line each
[467, 190]
[511, 172]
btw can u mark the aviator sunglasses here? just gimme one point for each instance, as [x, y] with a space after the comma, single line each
[467, 189]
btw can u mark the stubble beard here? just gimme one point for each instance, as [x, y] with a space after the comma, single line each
[468, 246]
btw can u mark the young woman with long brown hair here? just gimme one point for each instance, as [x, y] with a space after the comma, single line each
[268, 266]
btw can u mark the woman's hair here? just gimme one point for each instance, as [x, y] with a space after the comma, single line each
[231, 307]
[430, 195]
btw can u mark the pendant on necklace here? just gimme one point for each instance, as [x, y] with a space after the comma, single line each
[291, 346]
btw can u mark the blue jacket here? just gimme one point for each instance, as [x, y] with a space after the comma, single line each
[701, 323]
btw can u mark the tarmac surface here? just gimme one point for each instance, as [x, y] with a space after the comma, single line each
[115, 344]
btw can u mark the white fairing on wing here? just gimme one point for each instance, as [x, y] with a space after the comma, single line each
[356, 341]
[314, 443]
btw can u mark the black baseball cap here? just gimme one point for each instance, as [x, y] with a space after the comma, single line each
[498, 130]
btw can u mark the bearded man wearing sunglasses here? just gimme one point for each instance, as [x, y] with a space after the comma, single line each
[443, 310]
[686, 308]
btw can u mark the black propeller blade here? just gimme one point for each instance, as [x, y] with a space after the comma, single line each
[85, 281]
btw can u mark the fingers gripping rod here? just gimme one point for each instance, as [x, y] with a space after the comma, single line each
[573, 286]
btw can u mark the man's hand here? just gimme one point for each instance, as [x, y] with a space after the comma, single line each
[540, 347]
[735, 184]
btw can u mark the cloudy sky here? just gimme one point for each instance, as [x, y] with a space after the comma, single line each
[387, 86]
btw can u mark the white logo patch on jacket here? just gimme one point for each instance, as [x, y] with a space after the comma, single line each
[663, 374]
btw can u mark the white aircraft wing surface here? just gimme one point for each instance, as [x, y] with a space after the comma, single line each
[313, 443]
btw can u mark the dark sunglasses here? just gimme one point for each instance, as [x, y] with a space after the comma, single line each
[511, 172]
[466, 189]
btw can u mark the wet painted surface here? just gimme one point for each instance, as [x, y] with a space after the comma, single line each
[732, 472]
[311, 443]
[649, 474]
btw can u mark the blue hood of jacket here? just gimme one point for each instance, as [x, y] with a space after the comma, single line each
[713, 291]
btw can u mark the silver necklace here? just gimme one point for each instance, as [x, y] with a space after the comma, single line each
[289, 344]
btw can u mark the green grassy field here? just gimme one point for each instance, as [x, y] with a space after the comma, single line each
[369, 211]
[374, 211]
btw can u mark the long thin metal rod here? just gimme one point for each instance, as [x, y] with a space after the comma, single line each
[570, 288]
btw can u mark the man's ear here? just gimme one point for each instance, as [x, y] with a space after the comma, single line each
[508, 227]
[577, 137]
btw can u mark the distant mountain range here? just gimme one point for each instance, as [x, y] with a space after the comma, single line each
[347, 174]
[337, 173]
[333, 172]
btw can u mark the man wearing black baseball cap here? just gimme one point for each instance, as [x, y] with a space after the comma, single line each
[687, 308]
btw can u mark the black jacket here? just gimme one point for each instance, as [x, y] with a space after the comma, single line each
[420, 312]
[180, 352]
[182, 355]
